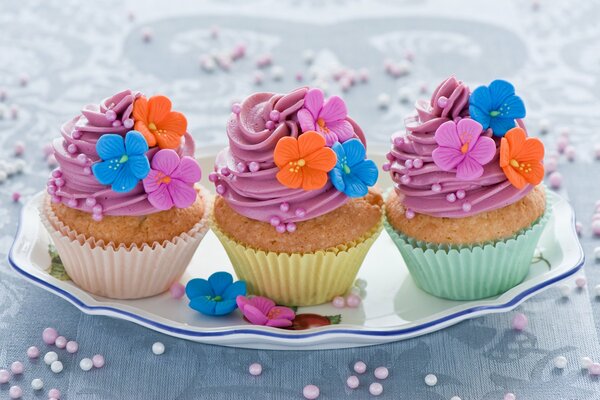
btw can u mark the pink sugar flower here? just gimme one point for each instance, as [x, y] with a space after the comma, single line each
[263, 311]
[461, 146]
[171, 180]
[326, 117]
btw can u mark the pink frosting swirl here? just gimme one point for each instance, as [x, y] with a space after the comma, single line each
[423, 187]
[73, 184]
[246, 172]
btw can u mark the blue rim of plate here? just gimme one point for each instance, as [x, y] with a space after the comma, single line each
[509, 305]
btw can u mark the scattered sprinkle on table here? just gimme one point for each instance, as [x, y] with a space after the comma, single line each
[510, 396]
[17, 368]
[33, 352]
[177, 290]
[255, 369]
[353, 301]
[15, 392]
[597, 290]
[431, 380]
[37, 384]
[338, 302]
[72, 346]
[360, 367]
[375, 388]
[86, 364]
[585, 362]
[56, 367]
[581, 281]
[560, 362]
[594, 369]
[352, 382]
[61, 342]
[158, 348]
[54, 393]
[381, 372]
[564, 289]
[519, 321]
[50, 357]
[455, 398]
[310, 392]
[98, 361]
[49, 335]
[4, 376]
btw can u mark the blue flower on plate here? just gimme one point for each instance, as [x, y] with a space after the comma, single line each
[352, 174]
[215, 296]
[496, 106]
[123, 161]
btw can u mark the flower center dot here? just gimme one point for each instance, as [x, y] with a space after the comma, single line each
[494, 113]
[321, 123]
[514, 163]
[123, 159]
[217, 298]
[301, 162]
[346, 169]
[151, 126]
[464, 148]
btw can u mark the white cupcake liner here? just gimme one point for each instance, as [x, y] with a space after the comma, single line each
[124, 272]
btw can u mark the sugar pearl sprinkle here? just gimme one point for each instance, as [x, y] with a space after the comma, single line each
[255, 369]
[311, 392]
[54, 393]
[352, 382]
[37, 384]
[375, 388]
[86, 364]
[560, 362]
[519, 322]
[381, 373]
[56, 367]
[431, 380]
[15, 392]
[158, 348]
[4, 376]
[50, 357]
[360, 367]
[98, 361]
[17, 368]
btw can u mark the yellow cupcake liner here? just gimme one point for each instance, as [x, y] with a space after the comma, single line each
[298, 279]
[117, 271]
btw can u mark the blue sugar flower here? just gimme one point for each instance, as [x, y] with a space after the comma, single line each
[123, 161]
[352, 174]
[215, 296]
[496, 106]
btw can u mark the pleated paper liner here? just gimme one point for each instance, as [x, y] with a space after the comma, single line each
[120, 272]
[298, 279]
[470, 272]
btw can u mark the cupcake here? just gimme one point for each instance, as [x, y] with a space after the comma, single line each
[294, 210]
[467, 209]
[122, 208]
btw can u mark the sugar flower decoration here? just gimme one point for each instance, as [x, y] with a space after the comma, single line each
[215, 296]
[496, 106]
[326, 117]
[123, 162]
[303, 162]
[352, 174]
[159, 125]
[263, 311]
[461, 146]
[521, 158]
[171, 180]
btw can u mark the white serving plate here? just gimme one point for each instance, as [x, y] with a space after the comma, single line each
[393, 308]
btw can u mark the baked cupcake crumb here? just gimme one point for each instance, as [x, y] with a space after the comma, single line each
[492, 225]
[343, 225]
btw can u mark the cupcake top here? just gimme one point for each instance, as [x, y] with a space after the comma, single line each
[127, 156]
[292, 157]
[465, 152]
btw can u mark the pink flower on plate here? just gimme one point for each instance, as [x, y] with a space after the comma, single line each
[263, 311]
[461, 146]
[326, 117]
[171, 180]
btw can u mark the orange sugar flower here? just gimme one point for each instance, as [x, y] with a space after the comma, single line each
[159, 125]
[304, 162]
[521, 158]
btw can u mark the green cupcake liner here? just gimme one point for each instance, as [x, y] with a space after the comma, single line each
[470, 272]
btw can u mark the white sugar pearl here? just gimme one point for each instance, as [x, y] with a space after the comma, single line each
[404, 95]
[431, 380]
[560, 362]
[597, 290]
[37, 384]
[375, 388]
[308, 55]
[597, 253]
[277, 73]
[158, 348]
[455, 398]
[86, 364]
[564, 289]
[352, 382]
[360, 367]
[585, 362]
[580, 281]
[361, 284]
[56, 367]
[383, 100]
[50, 357]
[381, 372]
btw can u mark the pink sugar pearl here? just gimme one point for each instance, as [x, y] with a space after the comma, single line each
[33, 352]
[61, 342]
[310, 392]
[49, 335]
[580, 281]
[72, 346]
[510, 396]
[255, 369]
[177, 290]
[381, 373]
[594, 369]
[519, 322]
[4, 376]
[352, 382]
[338, 302]
[360, 367]
[555, 180]
[98, 361]
[353, 301]
[596, 227]
[15, 392]
[55, 393]
[17, 368]
[376, 388]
